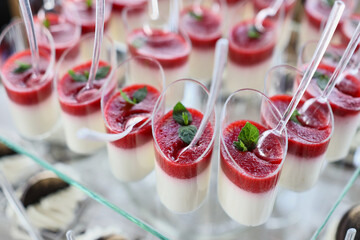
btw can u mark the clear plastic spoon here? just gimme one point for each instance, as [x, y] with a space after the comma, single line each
[174, 16]
[30, 31]
[69, 235]
[18, 207]
[221, 52]
[308, 108]
[350, 234]
[324, 41]
[265, 13]
[86, 133]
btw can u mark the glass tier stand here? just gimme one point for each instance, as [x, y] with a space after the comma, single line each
[295, 216]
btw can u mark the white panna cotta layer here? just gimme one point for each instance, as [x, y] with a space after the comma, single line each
[131, 164]
[182, 195]
[201, 64]
[247, 208]
[308, 32]
[35, 120]
[299, 174]
[246, 76]
[72, 124]
[344, 132]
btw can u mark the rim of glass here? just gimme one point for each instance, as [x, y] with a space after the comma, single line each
[158, 105]
[331, 123]
[50, 68]
[222, 128]
[112, 62]
[110, 80]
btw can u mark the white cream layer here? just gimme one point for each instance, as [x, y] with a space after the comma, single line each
[131, 164]
[300, 175]
[72, 124]
[201, 64]
[244, 76]
[182, 195]
[35, 120]
[247, 208]
[344, 132]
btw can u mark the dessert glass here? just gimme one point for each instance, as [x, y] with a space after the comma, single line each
[182, 183]
[132, 157]
[27, 93]
[307, 144]
[247, 189]
[82, 108]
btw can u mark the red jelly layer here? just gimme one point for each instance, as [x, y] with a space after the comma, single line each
[261, 4]
[63, 32]
[304, 141]
[22, 88]
[318, 10]
[118, 112]
[86, 102]
[345, 98]
[348, 28]
[78, 12]
[120, 5]
[248, 170]
[248, 51]
[167, 137]
[204, 29]
[170, 49]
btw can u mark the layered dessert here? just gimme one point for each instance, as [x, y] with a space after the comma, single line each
[132, 157]
[308, 139]
[65, 34]
[250, 55]
[182, 181]
[203, 26]
[80, 107]
[136, 10]
[83, 12]
[235, 11]
[247, 180]
[316, 15]
[345, 104]
[30, 93]
[171, 50]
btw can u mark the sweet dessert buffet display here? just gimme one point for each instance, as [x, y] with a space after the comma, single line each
[248, 174]
[203, 26]
[82, 12]
[29, 84]
[132, 157]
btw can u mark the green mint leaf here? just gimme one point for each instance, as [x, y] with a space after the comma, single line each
[140, 94]
[249, 136]
[196, 16]
[253, 33]
[181, 114]
[86, 74]
[89, 3]
[46, 23]
[187, 133]
[330, 2]
[126, 98]
[22, 67]
[321, 80]
[77, 77]
[240, 146]
[138, 42]
[294, 117]
[102, 72]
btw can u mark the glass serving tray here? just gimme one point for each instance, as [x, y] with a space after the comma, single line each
[295, 216]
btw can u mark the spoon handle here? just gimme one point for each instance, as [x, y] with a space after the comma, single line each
[174, 16]
[154, 9]
[338, 73]
[18, 207]
[267, 12]
[99, 32]
[69, 235]
[326, 36]
[30, 31]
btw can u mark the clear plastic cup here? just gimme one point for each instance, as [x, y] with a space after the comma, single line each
[307, 142]
[132, 157]
[182, 183]
[248, 182]
[27, 93]
[82, 108]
